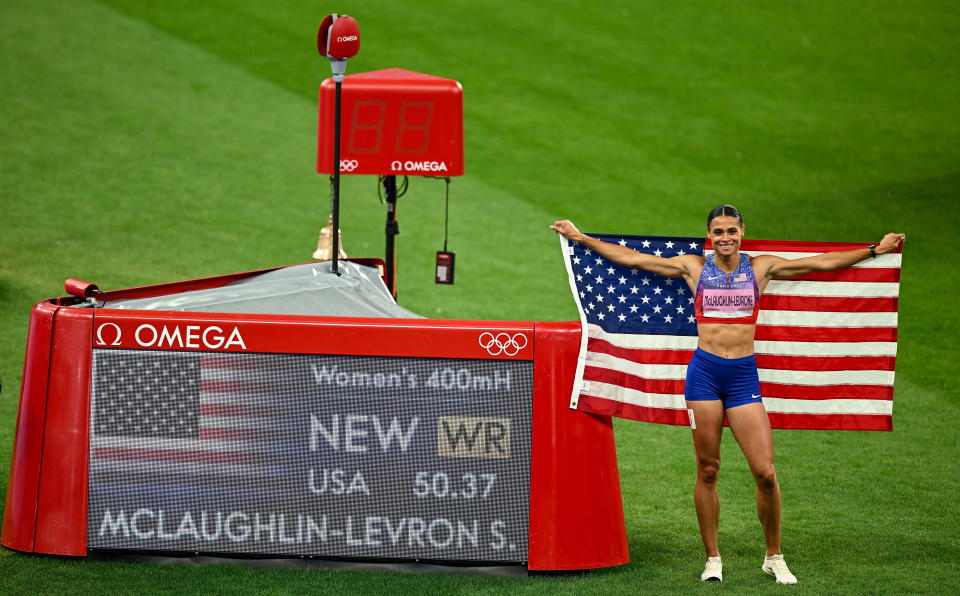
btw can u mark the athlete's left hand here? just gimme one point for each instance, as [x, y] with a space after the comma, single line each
[889, 243]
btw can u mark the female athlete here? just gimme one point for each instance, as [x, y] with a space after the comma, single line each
[722, 376]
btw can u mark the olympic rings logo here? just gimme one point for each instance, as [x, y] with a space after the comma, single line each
[348, 165]
[502, 343]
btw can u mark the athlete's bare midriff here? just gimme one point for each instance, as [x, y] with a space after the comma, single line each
[726, 340]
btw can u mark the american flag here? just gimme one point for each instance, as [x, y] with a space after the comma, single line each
[190, 418]
[826, 343]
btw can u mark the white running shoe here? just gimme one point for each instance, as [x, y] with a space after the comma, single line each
[777, 567]
[713, 570]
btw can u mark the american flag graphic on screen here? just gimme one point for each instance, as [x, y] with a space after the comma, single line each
[189, 414]
[826, 343]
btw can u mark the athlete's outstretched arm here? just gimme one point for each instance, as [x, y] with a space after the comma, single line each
[773, 267]
[671, 267]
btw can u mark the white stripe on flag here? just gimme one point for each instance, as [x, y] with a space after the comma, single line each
[780, 405]
[826, 377]
[652, 342]
[152, 444]
[841, 289]
[186, 468]
[567, 251]
[803, 318]
[888, 261]
[239, 422]
[826, 348]
[223, 374]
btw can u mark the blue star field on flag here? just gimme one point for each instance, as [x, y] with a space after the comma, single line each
[624, 300]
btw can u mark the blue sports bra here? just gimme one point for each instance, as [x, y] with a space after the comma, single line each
[727, 297]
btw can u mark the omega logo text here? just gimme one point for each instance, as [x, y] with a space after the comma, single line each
[147, 335]
[418, 166]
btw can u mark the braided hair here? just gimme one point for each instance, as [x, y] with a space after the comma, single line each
[721, 210]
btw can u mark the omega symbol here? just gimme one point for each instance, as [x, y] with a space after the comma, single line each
[103, 342]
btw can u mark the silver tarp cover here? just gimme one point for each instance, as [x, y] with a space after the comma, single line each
[309, 289]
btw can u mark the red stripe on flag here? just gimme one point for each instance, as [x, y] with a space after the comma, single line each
[640, 355]
[226, 434]
[795, 333]
[818, 363]
[228, 410]
[880, 392]
[859, 274]
[827, 303]
[615, 377]
[831, 421]
[607, 407]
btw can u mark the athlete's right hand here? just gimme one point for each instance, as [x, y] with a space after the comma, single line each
[565, 228]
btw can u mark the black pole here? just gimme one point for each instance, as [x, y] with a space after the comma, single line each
[336, 179]
[393, 228]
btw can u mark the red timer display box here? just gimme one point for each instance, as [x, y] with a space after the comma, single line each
[394, 122]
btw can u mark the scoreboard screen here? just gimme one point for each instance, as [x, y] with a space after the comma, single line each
[310, 455]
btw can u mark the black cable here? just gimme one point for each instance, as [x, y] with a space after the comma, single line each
[446, 215]
[401, 189]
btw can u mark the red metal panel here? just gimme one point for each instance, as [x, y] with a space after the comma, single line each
[20, 515]
[62, 500]
[576, 511]
[422, 338]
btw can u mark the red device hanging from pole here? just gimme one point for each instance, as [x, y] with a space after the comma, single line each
[338, 39]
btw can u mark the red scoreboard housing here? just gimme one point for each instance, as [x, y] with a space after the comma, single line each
[394, 122]
[575, 511]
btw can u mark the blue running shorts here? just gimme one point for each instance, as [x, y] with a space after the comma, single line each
[734, 381]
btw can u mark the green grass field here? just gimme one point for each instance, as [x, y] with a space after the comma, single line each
[146, 142]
